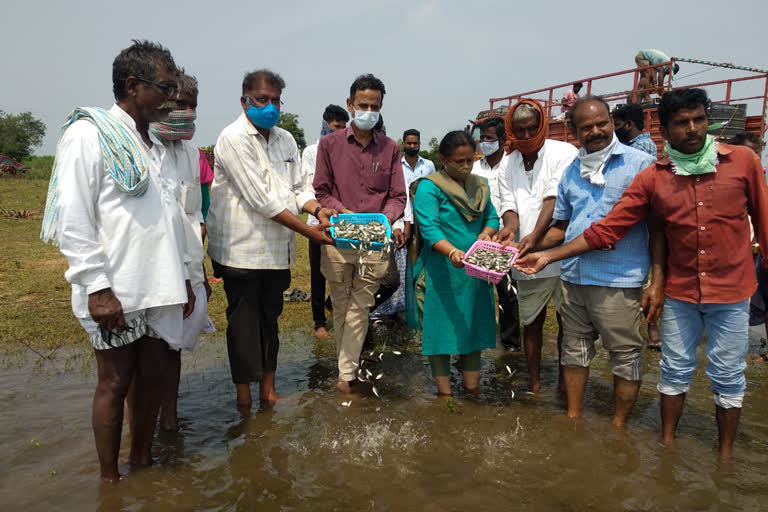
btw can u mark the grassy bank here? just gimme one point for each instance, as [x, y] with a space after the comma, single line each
[35, 297]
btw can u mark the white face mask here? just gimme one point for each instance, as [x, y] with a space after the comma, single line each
[366, 119]
[489, 147]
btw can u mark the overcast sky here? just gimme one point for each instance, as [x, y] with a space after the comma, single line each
[440, 60]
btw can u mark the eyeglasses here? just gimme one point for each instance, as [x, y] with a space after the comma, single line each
[172, 91]
[263, 100]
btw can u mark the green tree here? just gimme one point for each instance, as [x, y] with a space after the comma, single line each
[20, 134]
[290, 122]
[433, 153]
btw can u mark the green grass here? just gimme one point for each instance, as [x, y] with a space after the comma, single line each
[35, 297]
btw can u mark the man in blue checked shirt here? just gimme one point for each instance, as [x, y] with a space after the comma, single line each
[628, 123]
[601, 290]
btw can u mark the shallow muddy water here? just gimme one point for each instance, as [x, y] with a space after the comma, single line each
[404, 451]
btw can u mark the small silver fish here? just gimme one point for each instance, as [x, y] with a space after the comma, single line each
[509, 370]
[513, 394]
[346, 404]
[397, 352]
[381, 356]
[368, 373]
[379, 376]
[376, 392]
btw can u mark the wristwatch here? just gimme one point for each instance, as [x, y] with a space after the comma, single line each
[317, 210]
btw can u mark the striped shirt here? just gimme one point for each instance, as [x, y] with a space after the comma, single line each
[247, 192]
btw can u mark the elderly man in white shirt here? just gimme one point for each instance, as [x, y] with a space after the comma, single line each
[258, 191]
[334, 118]
[182, 161]
[117, 222]
[528, 187]
[492, 138]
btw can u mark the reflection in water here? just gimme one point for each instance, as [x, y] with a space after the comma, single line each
[405, 451]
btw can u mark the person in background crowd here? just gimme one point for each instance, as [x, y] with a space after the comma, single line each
[601, 291]
[258, 191]
[528, 184]
[206, 178]
[358, 170]
[334, 119]
[628, 123]
[570, 97]
[703, 191]
[493, 162]
[452, 209]
[115, 218]
[758, 304]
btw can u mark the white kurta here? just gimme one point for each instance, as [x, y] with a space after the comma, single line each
[523, 192]
[132, 244]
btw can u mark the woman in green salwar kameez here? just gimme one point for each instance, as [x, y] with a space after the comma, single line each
[452, 209]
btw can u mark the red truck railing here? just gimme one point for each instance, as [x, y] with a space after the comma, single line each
[596, 85]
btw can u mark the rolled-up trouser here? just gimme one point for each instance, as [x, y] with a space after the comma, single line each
[352, 286]
[614, 315]
[727, 326]
[254, 303]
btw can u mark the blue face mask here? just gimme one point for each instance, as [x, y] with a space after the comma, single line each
[264, 117]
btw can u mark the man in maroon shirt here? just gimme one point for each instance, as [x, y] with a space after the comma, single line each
[702, 192]
[358, 170]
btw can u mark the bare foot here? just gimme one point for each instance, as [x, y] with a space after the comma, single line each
[169, 425]
[619, 425]
[270, 397]
[534, 386]
[348, 387]
[244, 396]
[111, 478]
[322, 333]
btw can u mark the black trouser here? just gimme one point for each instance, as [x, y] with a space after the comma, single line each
[317, 286]
[254, 303]
[389, 285]
[509, 316]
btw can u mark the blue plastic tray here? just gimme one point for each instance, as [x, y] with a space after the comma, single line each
[359, 218]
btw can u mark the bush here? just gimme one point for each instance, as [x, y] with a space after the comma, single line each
[39, 167]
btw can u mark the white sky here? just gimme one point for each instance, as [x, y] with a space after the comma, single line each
[440, 60]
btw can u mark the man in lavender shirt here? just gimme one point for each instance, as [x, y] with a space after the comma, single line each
[358, 170]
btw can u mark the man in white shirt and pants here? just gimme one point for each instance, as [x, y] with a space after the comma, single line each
[122, 231]
[528, 187]
[492, 139]
[258, 191]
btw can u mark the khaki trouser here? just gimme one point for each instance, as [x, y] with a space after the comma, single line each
[352, 297]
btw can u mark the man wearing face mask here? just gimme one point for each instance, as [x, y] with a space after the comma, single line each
[181, 168]
[528, 186]
[602, 291]
[492, 138]
[258, 191]
[358, 170]
[629, 122]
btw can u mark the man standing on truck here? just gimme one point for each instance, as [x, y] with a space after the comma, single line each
[570, 97]
[650, 78]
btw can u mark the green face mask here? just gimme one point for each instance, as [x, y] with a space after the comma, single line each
[458, 172]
